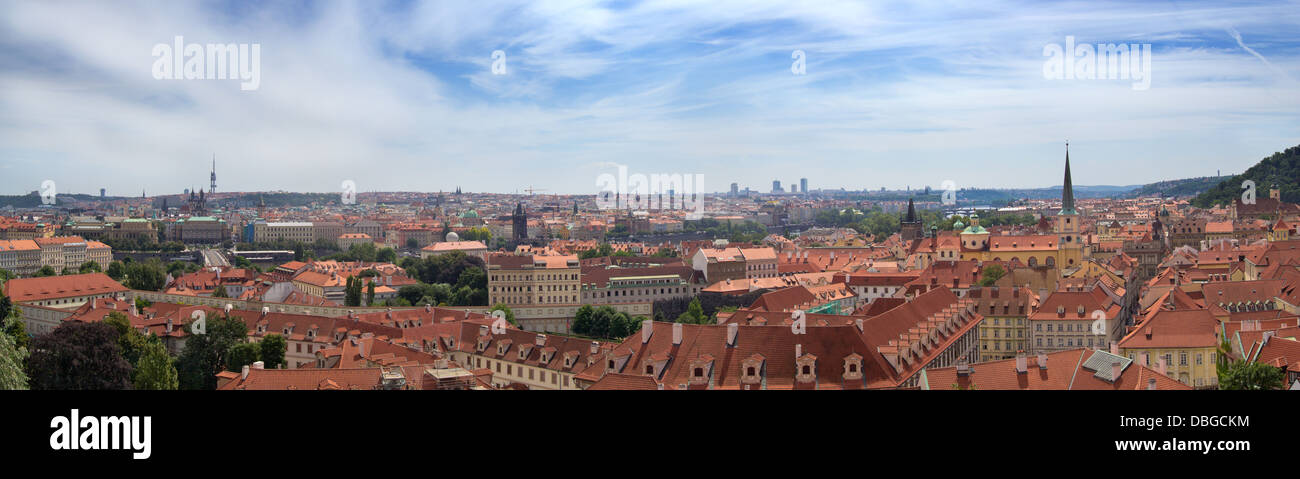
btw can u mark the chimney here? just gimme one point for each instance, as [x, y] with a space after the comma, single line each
[428, 308]
[1162, 366]
[1151, 384]
[169, 325]
[677, 333]
[798, 351]
[647, 330]
[541, 340]
[1115, 371]
[595, 347]
[1042, 360]
[259, 365]
[244, 375]
[265, 311]
[1022, 362]
[1114, 349]
[963, 367]
[733, 329]
[361, 348]
[860, 324]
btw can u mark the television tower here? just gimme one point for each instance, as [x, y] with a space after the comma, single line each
[213, 187]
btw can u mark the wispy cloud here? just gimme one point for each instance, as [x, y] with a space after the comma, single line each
[401, 96]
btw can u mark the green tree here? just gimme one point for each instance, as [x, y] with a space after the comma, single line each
[78, 356]
[992, 273]
[582, 319]
[130, 342]
[1250, 375]
[370, 293]
[273, 348]
[89, 267]
[243, 354]
[157, 369]
[352, 292]
[146, 275]
[116, 271]
[510, 315]
[694, 314]
[220, 292]
[46, 271]
[205, 355]
[12, 357]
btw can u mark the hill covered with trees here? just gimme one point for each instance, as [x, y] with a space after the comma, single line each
[1281, 169]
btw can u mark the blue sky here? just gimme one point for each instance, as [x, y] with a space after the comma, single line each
[401, 95]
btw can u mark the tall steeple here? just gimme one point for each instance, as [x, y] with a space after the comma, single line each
[1067, 191]
[212, 188]
[911, 211]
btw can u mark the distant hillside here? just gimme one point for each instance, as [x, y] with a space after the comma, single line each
[1183, 187]
[1282, 169]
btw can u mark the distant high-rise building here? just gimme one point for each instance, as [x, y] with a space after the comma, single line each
[803, 185]
[102, 192]
[776, 186]
[735, 189]
[794, 188]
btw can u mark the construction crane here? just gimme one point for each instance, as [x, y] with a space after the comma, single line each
[530, 190]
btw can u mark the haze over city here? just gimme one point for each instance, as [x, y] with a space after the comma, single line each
[891, 95]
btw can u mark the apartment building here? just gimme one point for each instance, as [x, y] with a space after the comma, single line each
[1180, 343]
[527, 280]
[602, 285]
[298, 231]
[21, 257]
[71, 252]
[1065, 320]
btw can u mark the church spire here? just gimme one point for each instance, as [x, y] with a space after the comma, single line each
[911, 211]
[1067, 190]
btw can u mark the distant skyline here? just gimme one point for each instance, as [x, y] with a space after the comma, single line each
[401, 96]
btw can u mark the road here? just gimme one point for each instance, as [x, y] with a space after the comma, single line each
[213, 257]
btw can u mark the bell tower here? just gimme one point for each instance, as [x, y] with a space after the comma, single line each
[1069, 245]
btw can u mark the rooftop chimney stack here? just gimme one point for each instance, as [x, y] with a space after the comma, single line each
[647, 330]
[1022, 362]
[798, 351]
[595, 347]
[259, 365]
[1115, 371]
[733, 330]
[1042, 360]
[244, 374]
[677, 334]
